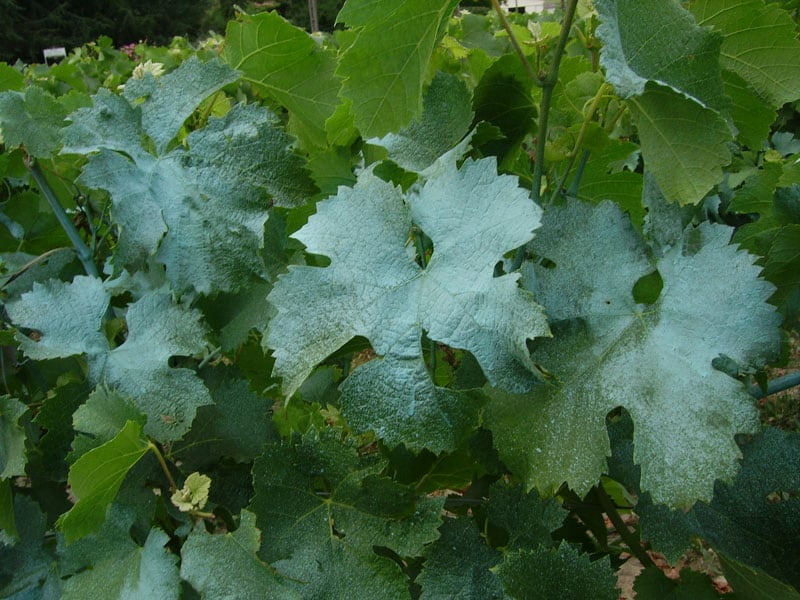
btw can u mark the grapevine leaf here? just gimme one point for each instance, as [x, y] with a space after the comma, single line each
[69, 317]
[749, 113]
[446, 116]
[290, 66]
[783, 269]
[26, 568]
[754, 520]
[139, 368]
[556, 573]
[654, 360]
[80, 306]
[128, 571]
[757, 196]
[226, 566]
[652, 584]
[375, 289]
[11, 79]
[683, 142]
[384, 69]
[8, 525]
[32, 119]
[323, 510]
[674, 89]
[237, 425]
[101, 418]
[12, 438]
[525, 516]
[503, 98]
[174, 97]
[469, 577]
[754, 584]
[683, 56]
[96, 477]
[211, 197]
[194, 493]
[760, 44]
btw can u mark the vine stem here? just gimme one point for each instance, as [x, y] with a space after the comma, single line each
[601, 94]
[776, 385]
[548, 83]
[515, 42]
[610, 509]
[164, 467]
[84, 254]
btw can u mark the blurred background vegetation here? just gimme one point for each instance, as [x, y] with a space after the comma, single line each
[29, 26]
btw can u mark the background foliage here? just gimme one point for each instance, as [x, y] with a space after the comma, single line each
[433, 306]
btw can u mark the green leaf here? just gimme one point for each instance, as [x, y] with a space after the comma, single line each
[194, 493]
[128, 571]
[783, 269]
[96, 477]
[26, 568]
[101, 418]
[757, 196]
[753, 584]
[527, 518]
[69, 317]
[754, 519]
[683, 142]
[11, 78]
[674, 88]
[32, 119]
[683, 56]
[323, 510]
[226, 565]
[503, 97]
[653, 584]
[749, 113]
[385, 67]
[8, 526]
[237, 425]
[126, 557]
[374, 288]
[467, 578]
[556, 573]
[759, 44]
[446, 117]
[655, 360]
[290, 66]
[12, 438]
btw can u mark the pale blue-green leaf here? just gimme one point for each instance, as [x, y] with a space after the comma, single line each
[100, 419]
[32, 119]
[655, 360]
[66, 316]
[374, 288]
